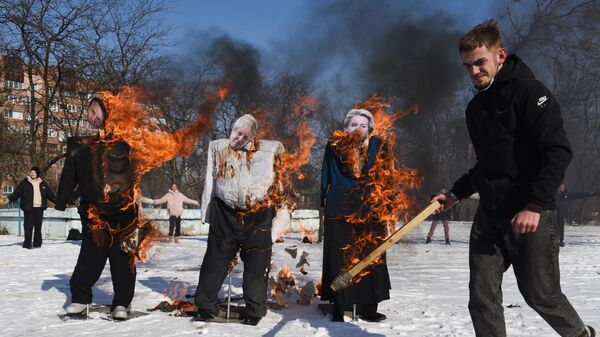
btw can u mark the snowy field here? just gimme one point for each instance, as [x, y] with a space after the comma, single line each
[428, 298]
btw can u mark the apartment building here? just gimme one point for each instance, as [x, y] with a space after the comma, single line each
[57, 109]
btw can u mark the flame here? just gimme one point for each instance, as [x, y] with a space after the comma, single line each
[177, 291]
[285, 274]
[177, 294]
[387, 182]
[318, 285]
[288, 164]
[282, 285]
[128, 121]
[306, 235]
[151, 237]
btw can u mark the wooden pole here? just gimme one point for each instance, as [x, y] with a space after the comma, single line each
[345, 279]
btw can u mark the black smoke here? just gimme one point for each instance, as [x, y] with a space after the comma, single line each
[355, 49]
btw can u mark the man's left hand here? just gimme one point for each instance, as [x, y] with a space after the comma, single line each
[525, 222]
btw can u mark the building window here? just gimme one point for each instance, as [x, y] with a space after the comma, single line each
[13, 114]
[13, 85]
[8, 189]
[71, 107]
[13, 99]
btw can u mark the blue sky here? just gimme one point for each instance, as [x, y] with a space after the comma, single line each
[256, 22]
[260, 22]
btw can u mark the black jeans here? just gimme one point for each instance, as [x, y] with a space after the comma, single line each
[228, 233]
[32, 222]
[174, 225]
[493, 248]
[91, 262]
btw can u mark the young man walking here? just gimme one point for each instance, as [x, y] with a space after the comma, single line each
[522, 151]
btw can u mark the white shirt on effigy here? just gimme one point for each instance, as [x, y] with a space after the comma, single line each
[239, 178]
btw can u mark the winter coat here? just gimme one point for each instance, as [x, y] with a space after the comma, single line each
[174, 200]
[90, 165]
[25, 191]
[341, 193]
[521, 146]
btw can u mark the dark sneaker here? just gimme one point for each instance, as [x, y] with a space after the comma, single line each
[250, 320]
[447, 241]
[372, 317]
[337, 317]
[204, 316]
[561, 244]
[428, 240]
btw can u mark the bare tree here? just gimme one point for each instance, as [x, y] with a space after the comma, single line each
[123, 40]
[40, 33]
[563, 44]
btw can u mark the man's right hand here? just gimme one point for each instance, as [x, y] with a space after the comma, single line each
[446, 201]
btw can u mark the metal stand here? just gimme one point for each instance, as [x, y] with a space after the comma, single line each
[229, 296]
[354, 316]
[87, 310]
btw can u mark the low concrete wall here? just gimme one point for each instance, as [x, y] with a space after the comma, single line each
[57, 224]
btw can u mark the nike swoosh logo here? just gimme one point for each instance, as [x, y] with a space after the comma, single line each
[542, 100]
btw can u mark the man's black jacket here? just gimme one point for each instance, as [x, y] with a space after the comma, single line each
[522, 149]
[25, 191]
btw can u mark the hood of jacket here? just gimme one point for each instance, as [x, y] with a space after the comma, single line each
[513, 69]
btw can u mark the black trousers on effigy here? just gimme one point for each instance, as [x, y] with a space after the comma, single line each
[229, 233]
[92, 259]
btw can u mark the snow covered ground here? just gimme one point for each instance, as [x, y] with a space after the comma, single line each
[429, 290]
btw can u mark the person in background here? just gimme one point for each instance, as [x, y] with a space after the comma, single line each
[444, 217]
[174, 200]
[563, 209]
[34, 194]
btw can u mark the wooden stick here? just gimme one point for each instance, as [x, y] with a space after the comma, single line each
[345, 279]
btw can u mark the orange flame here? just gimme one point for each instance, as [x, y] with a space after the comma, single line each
[129, 122]
[177, 294]
[386, 181]
[307, 235]
[282, 285]
[289, 164]
[178, 291]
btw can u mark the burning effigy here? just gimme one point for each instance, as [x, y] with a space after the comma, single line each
[364, 193]
[106, 169]
[247, 201]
